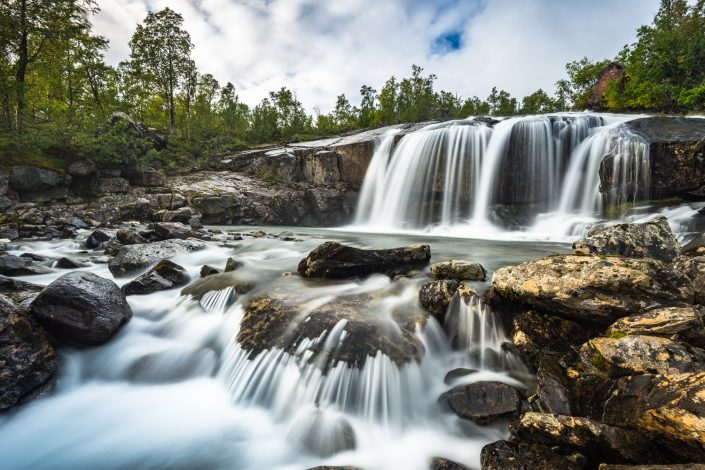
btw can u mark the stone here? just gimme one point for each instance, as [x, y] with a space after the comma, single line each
[232, 264]
[81, 308]
[134, 258]
[28, 361]
[162, 276]
[638, 354]
[11, 265]
[170, 230]
[333, 260]
[435, 296]
[597, 441]
[482, 402]
[459, 270]
[130, 237]
[195, 223]
[207, 270]
[144, 177]
[239, 282]
[440, 463]
[552, 388]
[18, 291]
[685, 322]
[67, 263]
[113, 185]
[694, 268]
[458, 373]
[653, 239]
[592, 288]
[37, 184]
[534, 334]
[182, 215]
[322, 433]
[96, 239]
[505, 455]
[283, 316]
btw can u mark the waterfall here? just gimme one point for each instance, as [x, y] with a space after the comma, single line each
[510, 174]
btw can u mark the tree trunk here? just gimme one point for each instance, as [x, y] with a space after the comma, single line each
[172, 113]
[22, 62]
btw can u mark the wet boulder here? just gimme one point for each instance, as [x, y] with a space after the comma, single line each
[232, 264]
[81, 308]
[208, 270]
[459, 270]
[97, 239]
[482, 402]
[11, 265]
[28, 361]
[19, 292]
[639, 354]
[67, 263]
[684, 322]
[135, 258]
[694, 268]
[162, 276]
[322, 433]
[241, 283]
[130, 237]
[595, 440]
[505, 455]
[333, 260]
[435, 296]
[286, 315]
[597, 289]
[653, 239]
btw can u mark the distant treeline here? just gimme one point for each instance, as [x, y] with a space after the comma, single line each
[57, 94]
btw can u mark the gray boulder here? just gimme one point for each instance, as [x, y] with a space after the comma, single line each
[134, 258]
[164, 275]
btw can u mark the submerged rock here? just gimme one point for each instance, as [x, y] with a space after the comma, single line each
[591, 288]
[322, 433]
[435, 296]
[134, 258]
[241, 284]
[459, 270]
[653, 239]
[505, 455]
[597, 441]
[482, 402]
[164, 275]
[334, 260]
[232, 264]
[208, 270]
[28, 361]
[81, 308]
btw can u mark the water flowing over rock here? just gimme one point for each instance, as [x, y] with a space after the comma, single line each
[322, 433]
[81, 308]
[333, 260]
[653, 239]
[134, 258]
[595, 289]
[239, 282]
[28, 361]
[164, 275]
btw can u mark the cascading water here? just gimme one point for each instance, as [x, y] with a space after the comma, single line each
[477, 178]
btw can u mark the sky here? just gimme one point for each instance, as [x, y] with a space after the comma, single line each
[322, 48]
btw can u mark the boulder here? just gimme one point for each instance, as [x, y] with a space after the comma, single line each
[334, 260]
[37, 184]
[694, 268]
[285, 315]
[552, 388]
[208, 270]
[505, 455]
[19, 291]
[113, 185]
[134, 258]
[440, 463]
[170, 230]
[322, 433]
[67, 263]
[96, 239]
[591, 288]
[162, 276]
[81, 308]
[638, 354]
[182, 215]
[482, 402]
[241, 283]
[459, 270]
[144, 177]
[28, 361]
[653, 239]
[435, 296]
[597, 441]
[685, 322]
[130, 237]
[232, 264]
[11, 265]
[534, 334]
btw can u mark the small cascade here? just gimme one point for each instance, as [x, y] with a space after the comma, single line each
[473, 327]
[512, 174]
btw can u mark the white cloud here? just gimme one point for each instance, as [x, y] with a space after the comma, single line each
[323, 48]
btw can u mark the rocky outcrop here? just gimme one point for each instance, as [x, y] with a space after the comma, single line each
[81, 308]
[134, 258]
[28, 361]
[653, 239]
[592, 288]
[164, 275]
[682, 322]
[482, 402]
[459, 270]
[694, 268]
[37, 184]
[333, 260]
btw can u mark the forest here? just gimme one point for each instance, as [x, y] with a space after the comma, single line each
[58, 97]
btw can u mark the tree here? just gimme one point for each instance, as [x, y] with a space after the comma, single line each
[539, 102]
[501, 103]
[367, 106]
[160, 50]
[387, 113]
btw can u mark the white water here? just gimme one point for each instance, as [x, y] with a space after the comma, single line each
[174, 390]
[531, 177]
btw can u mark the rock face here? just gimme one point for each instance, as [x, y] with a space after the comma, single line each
[280, 318]
[694, 268]
[37, 184]
[333, 260]
[676, 154]
[482, 402]
[534, 333]
[459, 270]
[28, 361]
[164, 275]
[134, 258]
[595, 289]
[593, 439]
[685, 322]
[435, 296]
[653, 239]
[81, 308]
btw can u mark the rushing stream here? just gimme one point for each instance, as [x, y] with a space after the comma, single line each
[174, 390]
